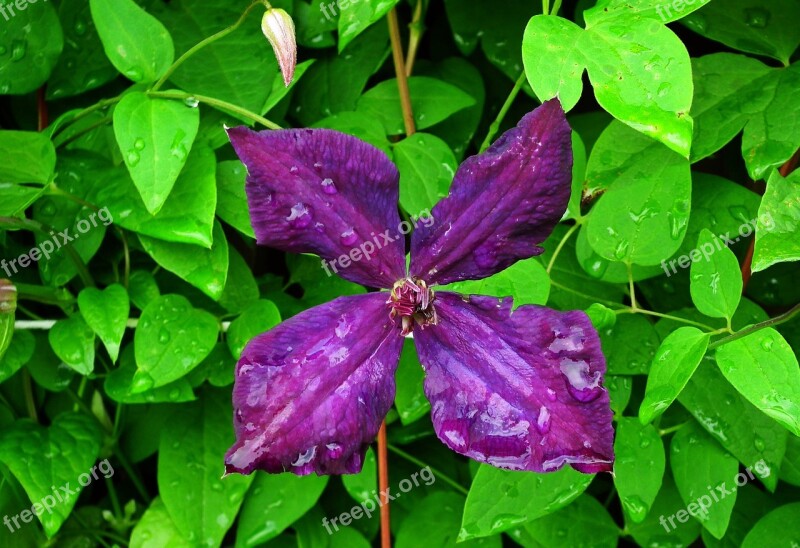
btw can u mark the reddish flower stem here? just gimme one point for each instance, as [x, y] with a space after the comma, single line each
[400, 71]
[785, 170]
[383, 482]
[41, 103]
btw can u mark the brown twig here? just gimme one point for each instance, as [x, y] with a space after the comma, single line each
[400, 71]
[383, 486]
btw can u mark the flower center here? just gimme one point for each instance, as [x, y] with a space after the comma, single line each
[412, 301]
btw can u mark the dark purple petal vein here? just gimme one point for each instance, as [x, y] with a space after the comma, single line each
[519, 390]
[502, 203]
[310, 394]
[324, 192]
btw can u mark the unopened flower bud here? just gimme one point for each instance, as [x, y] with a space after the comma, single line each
[278, 27]
[8, 297]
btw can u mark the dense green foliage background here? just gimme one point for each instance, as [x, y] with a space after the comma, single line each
[686, 119]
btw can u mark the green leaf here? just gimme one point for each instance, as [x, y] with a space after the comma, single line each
[143, 288]
[46, 368]
[666, 12]
[427, 167]
[735, 92]
[431, 100]
[260, 316]
[778, 228]
[18, 198]
[699, 465]
[60, 455]
[30, 157]
[360, 125]
[119, 384]
[652, 530]
[106, 312]
[763, 28]
[357, 15]
[73, 342]
[155, 137]
[763, 369]
[335, 82]
[136, 43]
[241, 289]
[206, 269]
[190, 456]
[572, 526]
[361, 486]
[18, 353]
[498, 499]
[716, 284]
[642, 217]
[273, 503]
[409, 397]
[31, 42]
[790, 467]
[156, 528]
[553, 62]
[781, 527]
[434, 521]
[239, 68]
[171, 339]
[673, 365]
[231, 198]
[527, 281]
[83, 64]
[619, 392]
[743, 430]
[602, 269]
[644, 82]
[629, 345]
[722, 87]
[187, 215]
[280, 91]
[639, 466]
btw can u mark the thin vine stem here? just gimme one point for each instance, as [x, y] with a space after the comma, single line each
[495, 127]
[414, 460]
[561, 245]
[772, 322]
[217, 103]
[203, 43]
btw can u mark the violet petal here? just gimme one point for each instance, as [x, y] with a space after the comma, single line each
[324, 192]
[502, 203]
[310, 394]
[519, 390]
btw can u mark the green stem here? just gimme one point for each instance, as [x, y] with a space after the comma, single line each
[631, 288]
[200, 45]
[671, 429]
[123, 460]
[87, 111]
[666, 316]
[545, 7]
[561, 244]
[495, 127]
[224, 105]
[772, 322]
[592, 298]
[411, 458]
[556, 7]
[112, 494]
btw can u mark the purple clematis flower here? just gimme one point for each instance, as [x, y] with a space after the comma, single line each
[520, 389]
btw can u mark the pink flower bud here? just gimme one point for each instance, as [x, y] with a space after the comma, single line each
[278, 27]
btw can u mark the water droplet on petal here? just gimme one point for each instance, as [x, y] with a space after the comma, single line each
[328, 187]
[349, 237]
[299, 216]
